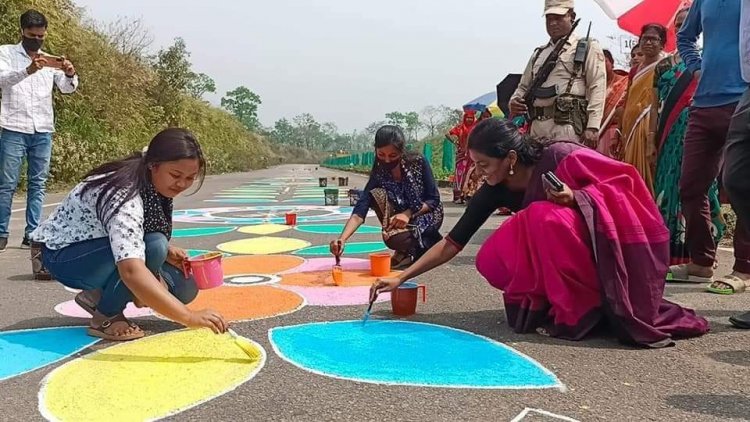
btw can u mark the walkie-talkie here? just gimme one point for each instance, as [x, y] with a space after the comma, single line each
[582, 49]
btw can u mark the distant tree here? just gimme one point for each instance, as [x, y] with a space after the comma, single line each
[174, 77]
[200, 85]
[431, 119]
[362, 140]
[243, 103]
[412, 124]
[284, 133]
[409, 122]
[373, 127]
[396, 118]
[308, 129]
[129, 36]
[449, 117]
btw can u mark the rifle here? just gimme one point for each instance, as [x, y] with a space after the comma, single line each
[536, 84]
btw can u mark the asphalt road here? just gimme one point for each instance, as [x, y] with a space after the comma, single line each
[703, 379]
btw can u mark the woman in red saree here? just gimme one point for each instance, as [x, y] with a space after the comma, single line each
[617, 88]
[459, 135]
[596, 252]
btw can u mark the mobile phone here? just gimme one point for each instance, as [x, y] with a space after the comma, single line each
[552, 182]
[54, 62]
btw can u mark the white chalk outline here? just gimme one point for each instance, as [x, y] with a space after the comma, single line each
[528, 410]
[250, 227]
[57, 308]
[45, 381]
[93, 342]
[558, 385]
[301, 305]
[274, 279]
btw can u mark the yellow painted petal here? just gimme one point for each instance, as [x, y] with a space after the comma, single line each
[148, 379]
[263, 245]
[264, 229]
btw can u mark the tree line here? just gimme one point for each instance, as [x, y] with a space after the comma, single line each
[304, 131]
[176, 79]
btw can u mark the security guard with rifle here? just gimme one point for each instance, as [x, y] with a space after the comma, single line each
[564, 87]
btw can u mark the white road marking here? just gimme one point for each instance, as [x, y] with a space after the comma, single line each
[43, 206]
[528, 410]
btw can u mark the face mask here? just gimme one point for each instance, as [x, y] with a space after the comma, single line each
[389, 166]
[32, 44]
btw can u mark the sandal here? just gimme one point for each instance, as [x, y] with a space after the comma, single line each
[400, 261]
[88, 299]
[110, 327]
[741, 321]
[727, 285]
[680, 274]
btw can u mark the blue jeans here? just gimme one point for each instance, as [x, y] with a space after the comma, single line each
[90, 265]
[37, 149]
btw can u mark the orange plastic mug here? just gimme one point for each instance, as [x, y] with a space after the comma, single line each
[404, 299]
[380, 264]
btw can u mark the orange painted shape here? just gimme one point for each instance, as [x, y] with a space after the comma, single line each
[248, 303]
[260, 264]
[325, 279]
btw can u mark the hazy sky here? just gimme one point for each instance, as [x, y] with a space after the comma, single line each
[350, 62]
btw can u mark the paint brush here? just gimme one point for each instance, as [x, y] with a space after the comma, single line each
[242, 344]
[337, 272]
[369, 308]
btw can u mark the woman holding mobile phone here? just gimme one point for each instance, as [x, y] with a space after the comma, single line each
[592, 249]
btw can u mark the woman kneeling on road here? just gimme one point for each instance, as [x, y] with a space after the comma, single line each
[593, 249]
[404, 196]
[110, 238]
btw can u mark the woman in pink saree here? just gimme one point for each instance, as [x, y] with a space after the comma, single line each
[596, 252]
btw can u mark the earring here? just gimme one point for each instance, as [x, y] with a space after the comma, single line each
[511, 172]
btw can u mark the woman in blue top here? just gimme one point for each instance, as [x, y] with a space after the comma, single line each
[404, 196]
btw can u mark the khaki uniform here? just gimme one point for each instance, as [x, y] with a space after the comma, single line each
[589, 82]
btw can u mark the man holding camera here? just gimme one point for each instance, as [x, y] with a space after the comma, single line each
[27, 77]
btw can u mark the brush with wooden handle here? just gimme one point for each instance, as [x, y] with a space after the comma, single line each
[242, 343]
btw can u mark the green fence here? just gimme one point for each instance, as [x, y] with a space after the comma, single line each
[441, 156]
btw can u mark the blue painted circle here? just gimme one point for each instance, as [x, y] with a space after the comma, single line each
[27, 350]
[418, 354]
